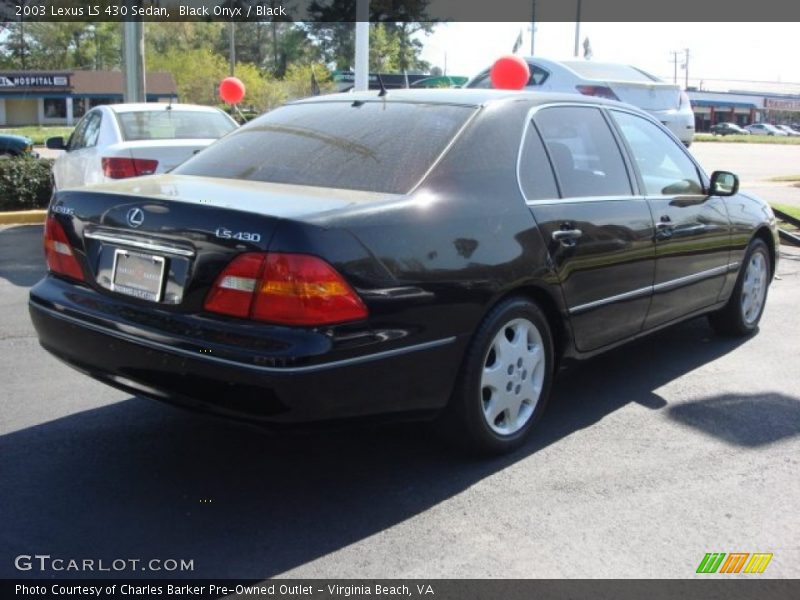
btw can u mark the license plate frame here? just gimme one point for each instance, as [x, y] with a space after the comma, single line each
[151, 293]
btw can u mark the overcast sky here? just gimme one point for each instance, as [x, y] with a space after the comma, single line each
[746, 51]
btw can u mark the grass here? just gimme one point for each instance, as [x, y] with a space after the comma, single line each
[746, 139]
[39, 133]
[792, 211]
[786, 178]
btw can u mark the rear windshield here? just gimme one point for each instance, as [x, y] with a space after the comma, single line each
[173, 124]
[372, 146]
[610, 72]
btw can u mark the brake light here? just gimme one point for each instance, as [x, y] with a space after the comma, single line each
[58, 252]
[600, 91]
[121, 167]
[291, 289]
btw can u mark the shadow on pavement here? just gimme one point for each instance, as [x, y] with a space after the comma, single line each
[21, 262]
[743, 420]
[136, 479]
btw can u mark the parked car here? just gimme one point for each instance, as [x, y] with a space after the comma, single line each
[764, 129]
[788, 130]
[665, 101]
[728, 129]
[425, 254]
[12, 146]
[116, 141]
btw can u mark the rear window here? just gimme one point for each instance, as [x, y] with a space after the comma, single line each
[173, 124]
[610, 72]
[371, 146]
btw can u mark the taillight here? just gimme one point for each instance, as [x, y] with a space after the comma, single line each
[290, 289]
[121, 167]
[684, 102]
[58, 252]
[600, 91]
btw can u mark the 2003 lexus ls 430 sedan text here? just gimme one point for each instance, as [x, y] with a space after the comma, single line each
[425, 253]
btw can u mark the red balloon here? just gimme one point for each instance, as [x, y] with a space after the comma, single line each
[231, 90]
[510, 73]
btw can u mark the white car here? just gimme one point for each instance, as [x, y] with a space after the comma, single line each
[665, 101]
[765, 129]
[788, 130]
[115, 141]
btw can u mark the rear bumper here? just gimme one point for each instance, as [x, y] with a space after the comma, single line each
[210, 373]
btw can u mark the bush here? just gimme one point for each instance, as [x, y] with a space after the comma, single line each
[25, 183]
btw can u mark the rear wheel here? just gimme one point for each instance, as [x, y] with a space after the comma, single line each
[505, 380]
[741, 314]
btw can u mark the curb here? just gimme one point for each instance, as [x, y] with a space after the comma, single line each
[23, 217]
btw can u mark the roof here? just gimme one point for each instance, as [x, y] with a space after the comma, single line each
[465, 97]
[104, 82]
[146, 106]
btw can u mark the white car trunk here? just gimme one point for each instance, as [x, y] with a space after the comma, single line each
[168, 153]
[647, 96]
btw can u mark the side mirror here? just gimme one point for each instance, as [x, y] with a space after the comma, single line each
[56, 143]
[723, 183]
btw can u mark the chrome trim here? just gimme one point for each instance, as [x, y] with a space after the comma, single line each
[645, 291]
[681, 281]
[659, 287]
[140, 243]
[215, 359]
[578, 199]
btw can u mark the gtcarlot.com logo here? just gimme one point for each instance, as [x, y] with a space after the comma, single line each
[46, 563]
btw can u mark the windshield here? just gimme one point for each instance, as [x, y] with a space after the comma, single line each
[173, 124]
[373, 146]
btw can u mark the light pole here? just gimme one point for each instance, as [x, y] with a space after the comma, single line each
[361, 83]
[577, 28]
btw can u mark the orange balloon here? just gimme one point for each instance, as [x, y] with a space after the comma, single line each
[510, 73]
[231, 90]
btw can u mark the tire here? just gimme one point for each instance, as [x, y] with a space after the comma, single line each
[740, 316]
[504, 382]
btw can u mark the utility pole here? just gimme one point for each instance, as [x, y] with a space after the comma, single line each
[361, 83]
[533, 23]
[577, 28]
[133, 61]
[686, 66]
[674, 54]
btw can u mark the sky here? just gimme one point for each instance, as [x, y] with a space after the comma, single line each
[724, 51]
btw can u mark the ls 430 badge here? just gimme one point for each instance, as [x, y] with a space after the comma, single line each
[245, 236]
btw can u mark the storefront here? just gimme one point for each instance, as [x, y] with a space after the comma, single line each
[62, 97]
[742, 108]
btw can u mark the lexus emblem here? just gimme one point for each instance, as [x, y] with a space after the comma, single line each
[135, 217]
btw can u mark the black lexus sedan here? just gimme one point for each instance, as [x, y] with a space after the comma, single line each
[425, 254]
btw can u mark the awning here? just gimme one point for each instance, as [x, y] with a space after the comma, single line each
[724, 104]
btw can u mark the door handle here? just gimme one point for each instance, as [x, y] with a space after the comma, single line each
[664, 227]
[567, 237]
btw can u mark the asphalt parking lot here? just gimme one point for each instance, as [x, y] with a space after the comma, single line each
[648, 457]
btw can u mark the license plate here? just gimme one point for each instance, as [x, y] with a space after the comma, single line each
[139, 275]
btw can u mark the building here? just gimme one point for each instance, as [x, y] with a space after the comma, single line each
[62, 97]
[742, 108]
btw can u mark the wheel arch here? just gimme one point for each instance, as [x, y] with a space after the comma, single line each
[559, 328]
[763, 233]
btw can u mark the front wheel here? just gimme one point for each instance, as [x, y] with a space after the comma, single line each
[741, 314]
[504, 381]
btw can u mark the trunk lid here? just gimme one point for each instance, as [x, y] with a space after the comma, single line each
[168, 153]
[649, 96]
[164, 239]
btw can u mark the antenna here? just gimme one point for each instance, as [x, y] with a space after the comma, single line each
[383, 91]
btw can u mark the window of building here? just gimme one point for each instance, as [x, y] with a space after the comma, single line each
[55, 108]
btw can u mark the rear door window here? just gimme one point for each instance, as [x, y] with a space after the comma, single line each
[375, 146]
[535, 174]
[163, 124]
[584, 152]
